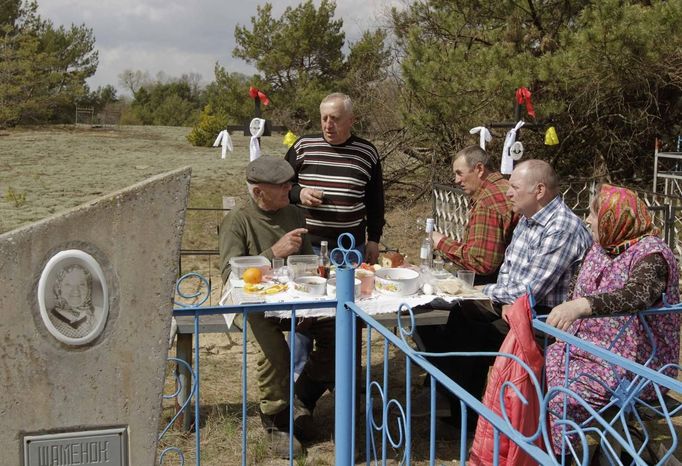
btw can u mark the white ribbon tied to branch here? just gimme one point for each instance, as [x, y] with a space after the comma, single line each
[224, 140]
[507, 161]
[484, 134]
[256, 127]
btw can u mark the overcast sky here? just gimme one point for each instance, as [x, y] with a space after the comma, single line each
[179, 36]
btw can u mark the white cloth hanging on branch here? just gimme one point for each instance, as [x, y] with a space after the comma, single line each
[224, 140]
[256, 127]
[484, 134]
[507, 161]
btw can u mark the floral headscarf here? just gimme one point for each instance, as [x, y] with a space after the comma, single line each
[623, 219]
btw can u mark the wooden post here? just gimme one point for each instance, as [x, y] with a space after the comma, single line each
[183, 351]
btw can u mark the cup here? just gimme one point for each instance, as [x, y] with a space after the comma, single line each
[438, 271]
[366, 282]
[467, 276]
[278, 270]
[438, 265]
[277, 263]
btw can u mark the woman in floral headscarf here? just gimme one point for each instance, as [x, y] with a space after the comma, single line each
[628, 269]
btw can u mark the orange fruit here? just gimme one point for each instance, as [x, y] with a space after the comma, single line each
[252, 275]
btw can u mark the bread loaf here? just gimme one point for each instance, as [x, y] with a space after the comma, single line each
[391, 259]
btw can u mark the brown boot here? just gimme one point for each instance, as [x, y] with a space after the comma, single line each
[304, 427]
[279, 444]
[277, 428]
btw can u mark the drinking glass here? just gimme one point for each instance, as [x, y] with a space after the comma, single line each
[438, 264]
[467, 276]
[366, 282]
[438, 270]
[279, 272]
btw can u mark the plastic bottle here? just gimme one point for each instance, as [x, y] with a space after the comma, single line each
[426, 251]
[323, 264]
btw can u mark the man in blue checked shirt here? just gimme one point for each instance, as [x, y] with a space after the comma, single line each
[547, 245]
[546, 249]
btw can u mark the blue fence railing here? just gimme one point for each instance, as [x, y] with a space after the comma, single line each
[387, 415]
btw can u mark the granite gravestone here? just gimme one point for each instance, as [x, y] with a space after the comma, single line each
[85, 305]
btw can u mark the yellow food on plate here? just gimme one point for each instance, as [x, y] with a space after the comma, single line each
[274, 289]
[252, 288]
[252, 275]
[264, 289]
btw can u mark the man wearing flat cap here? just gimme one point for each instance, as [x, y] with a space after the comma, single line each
[269, 226]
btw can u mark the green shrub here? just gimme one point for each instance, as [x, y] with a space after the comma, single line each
[129, 116]
[205, 132]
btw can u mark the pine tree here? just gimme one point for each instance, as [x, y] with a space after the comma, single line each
[43, 68]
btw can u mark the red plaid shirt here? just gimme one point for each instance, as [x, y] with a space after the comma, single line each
[489, 231]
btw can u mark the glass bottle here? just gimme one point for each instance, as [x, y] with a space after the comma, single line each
[426, 251]
[323, 264]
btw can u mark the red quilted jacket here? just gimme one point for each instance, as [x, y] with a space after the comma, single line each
[524, 417]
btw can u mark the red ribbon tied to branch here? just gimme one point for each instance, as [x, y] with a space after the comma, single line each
[523, 98]
[254, 92]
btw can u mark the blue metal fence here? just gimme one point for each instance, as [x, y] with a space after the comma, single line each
[197, 311]
[388, 410]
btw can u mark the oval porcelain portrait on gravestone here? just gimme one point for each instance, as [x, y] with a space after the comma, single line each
[257, 127]
[516, 150]
[73, 297]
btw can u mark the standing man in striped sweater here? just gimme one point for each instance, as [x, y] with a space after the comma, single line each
[338, 181]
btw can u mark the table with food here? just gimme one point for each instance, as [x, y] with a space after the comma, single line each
[379, 288]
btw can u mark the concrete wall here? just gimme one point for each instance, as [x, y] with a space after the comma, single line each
[117, 379]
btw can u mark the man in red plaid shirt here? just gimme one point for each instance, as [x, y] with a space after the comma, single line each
[491, 219]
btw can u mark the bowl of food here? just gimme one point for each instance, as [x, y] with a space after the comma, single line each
[397, 281]
[331, 287]
[311, 284]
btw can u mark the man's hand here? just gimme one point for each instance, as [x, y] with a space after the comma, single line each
[563, 315]
[289, 244]
[371, 252]
[311, 197]
[505, 309]
[436, 238]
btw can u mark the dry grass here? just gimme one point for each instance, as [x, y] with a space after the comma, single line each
[221, 412]
[57, 168]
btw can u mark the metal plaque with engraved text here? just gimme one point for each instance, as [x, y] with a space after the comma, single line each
[93, 447]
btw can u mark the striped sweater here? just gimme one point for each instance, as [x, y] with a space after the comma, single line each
[350, 176]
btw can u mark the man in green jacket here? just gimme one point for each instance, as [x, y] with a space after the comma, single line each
[269, 226]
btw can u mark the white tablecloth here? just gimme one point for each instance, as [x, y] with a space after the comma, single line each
[378, 303]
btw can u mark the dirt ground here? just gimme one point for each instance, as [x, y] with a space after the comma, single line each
[221, 413]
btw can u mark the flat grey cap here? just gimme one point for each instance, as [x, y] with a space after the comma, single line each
[269, 169]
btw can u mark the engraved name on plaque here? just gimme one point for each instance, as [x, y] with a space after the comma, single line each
[96, 447]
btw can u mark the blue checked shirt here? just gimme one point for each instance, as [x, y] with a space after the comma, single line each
[544, 252]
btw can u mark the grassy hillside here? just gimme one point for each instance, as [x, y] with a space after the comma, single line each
[44, 171]
[47, 170]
